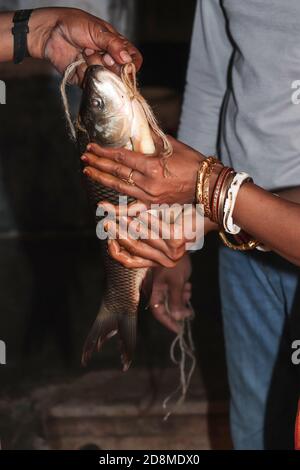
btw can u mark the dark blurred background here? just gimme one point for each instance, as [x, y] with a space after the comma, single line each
[51, 275]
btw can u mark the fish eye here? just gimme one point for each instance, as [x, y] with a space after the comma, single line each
[97, 103]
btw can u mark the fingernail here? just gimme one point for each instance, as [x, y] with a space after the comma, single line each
[125, 56]
[89, 147]
[108, 60]
[84, 158]
[103, 206]
[107, 226]
[89, 52]
[86, 172]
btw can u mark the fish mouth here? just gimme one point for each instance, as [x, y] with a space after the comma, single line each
[100, 74]
[93, 74]
[95, 71]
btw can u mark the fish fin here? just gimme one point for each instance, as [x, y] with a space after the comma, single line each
[106, 325]
[127, 331]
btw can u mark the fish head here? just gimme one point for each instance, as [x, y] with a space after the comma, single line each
[106, 109]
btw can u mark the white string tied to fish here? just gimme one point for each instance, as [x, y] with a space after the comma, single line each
[128, 77]
[63, 86]
[184, 338]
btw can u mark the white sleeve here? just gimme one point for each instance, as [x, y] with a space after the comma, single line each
[206, 81]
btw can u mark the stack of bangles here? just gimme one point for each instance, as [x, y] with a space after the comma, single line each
[218, 202]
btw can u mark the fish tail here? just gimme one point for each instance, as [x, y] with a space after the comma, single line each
[107, 325]
[127, 331]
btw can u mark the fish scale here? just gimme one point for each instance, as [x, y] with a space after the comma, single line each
[117, 294]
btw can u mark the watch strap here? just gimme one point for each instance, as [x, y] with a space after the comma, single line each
[20, 31]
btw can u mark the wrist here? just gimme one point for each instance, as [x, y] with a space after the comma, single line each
[210, 226]
[241, 200]
[41, 24]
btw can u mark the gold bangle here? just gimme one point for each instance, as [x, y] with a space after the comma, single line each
[206, 196]
[250, 245]
[216, 194]
[202, 189]
[201, 173]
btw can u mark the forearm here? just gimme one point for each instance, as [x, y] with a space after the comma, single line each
[270, 219]
[291, 194]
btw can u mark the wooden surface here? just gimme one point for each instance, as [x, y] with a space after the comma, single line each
[124, 411]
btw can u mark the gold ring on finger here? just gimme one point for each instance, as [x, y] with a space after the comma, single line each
[130, 179]
[157, 305]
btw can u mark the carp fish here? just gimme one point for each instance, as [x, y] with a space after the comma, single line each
[113, 114]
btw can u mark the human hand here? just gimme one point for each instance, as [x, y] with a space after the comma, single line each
[171, 293]
[139, 238]
[63, 35]
[111, 166]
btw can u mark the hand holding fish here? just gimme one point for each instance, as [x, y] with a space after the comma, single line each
[142, 176]
[63, 35]
[171, 294]
[141, 239]
[167, 283]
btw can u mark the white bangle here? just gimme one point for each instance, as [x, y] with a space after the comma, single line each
[235, 186]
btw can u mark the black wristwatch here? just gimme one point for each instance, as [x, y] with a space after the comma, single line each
[20, 31]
